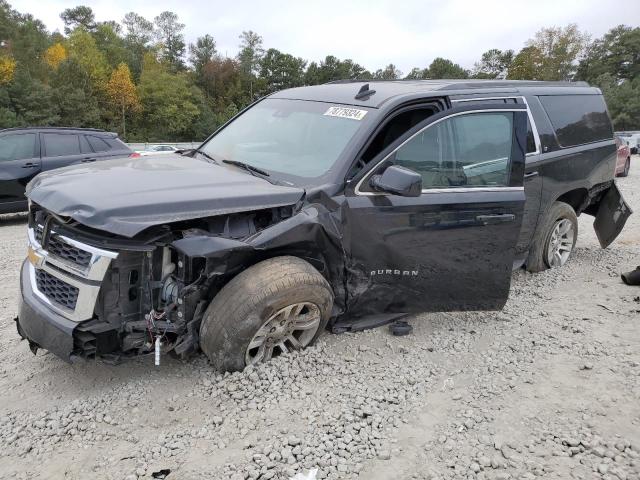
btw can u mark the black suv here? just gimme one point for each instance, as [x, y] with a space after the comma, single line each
[344, 204]
[25, 152]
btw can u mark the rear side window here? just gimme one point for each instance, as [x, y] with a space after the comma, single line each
[58, 145]
[116, 144]
[98, 144]
[578, 119]
[17, 147]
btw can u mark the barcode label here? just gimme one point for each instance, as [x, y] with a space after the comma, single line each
[343, 112]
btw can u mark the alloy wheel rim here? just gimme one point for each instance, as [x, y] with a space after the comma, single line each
[560, 243]
[290, 328]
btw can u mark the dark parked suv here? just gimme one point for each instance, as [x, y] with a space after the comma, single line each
[25, 152]
[337, 205]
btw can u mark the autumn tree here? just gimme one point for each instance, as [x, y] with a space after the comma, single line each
[7, 69]
[55, 54]
[122, 93]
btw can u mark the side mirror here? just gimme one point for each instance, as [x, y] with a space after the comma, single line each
[399, 181]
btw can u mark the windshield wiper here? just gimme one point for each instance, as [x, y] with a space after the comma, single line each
[249, 168]
[206, 155]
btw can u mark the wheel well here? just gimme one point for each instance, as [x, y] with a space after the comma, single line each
[576, 198]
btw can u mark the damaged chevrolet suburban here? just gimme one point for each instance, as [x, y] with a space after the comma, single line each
[317, 206]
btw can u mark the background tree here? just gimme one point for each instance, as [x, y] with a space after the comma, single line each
[251, 52]
[494, 64]
[202, 52]
[281, 70]
[122, 93]
[137, 40]
[526, 65]
[55, 54]
[80, 16]
[555, 52]
[390, 72]
[444, 68]
[170, 40]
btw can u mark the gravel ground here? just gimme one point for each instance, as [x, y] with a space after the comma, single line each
[549, 387]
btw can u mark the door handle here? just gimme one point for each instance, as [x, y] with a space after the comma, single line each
[86, 160]
[29, 165]
[531, 174]
[493, 219]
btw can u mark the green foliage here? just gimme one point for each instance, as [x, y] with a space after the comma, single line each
[444, 68]
[168, 103]
[81, 78]
[493, 64]
[79, 16]
[281, 70]
[552, 54]
[170, 40]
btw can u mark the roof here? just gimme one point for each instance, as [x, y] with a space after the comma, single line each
[344, 91]
[67, 129]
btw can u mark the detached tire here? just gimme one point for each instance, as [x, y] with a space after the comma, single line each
[276, 306]
[554, 239]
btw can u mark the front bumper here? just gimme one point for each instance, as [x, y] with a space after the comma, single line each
[41, 326]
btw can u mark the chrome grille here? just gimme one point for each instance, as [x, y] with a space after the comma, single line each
[66, 274]
[64, 250]
[57, 290]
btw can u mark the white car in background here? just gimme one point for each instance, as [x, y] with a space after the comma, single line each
[155, 149]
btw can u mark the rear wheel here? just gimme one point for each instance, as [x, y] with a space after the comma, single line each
[554, 239]
[274, 307]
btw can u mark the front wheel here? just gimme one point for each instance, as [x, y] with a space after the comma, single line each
[554, 239]
[274, 307]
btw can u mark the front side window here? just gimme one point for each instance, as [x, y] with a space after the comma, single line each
[17, 147]
[58, 145]
[461, 151]
[291, 137]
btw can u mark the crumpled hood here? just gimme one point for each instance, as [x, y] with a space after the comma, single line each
[128, 195]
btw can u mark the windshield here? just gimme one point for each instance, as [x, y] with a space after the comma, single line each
[291, 137]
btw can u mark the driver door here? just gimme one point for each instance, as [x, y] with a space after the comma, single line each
[452, 247]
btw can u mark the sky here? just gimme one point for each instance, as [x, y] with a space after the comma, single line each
[408, 33]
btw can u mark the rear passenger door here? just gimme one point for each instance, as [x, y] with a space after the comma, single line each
[61, 149]
[452, 247]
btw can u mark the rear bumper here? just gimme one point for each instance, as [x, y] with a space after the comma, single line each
[39, 325]
[611, 215]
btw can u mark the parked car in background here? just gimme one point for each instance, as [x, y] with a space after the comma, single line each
[623, 162]
[155, 149]
[25, 152]
[632, 139]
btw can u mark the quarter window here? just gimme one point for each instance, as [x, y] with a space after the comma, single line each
[57, 145]
[17, 147]
[578, 119]
[462, 151]
[97, 144]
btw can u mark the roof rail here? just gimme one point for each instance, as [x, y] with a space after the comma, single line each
[58, 128]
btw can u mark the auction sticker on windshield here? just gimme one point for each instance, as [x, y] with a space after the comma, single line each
[343, 112]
